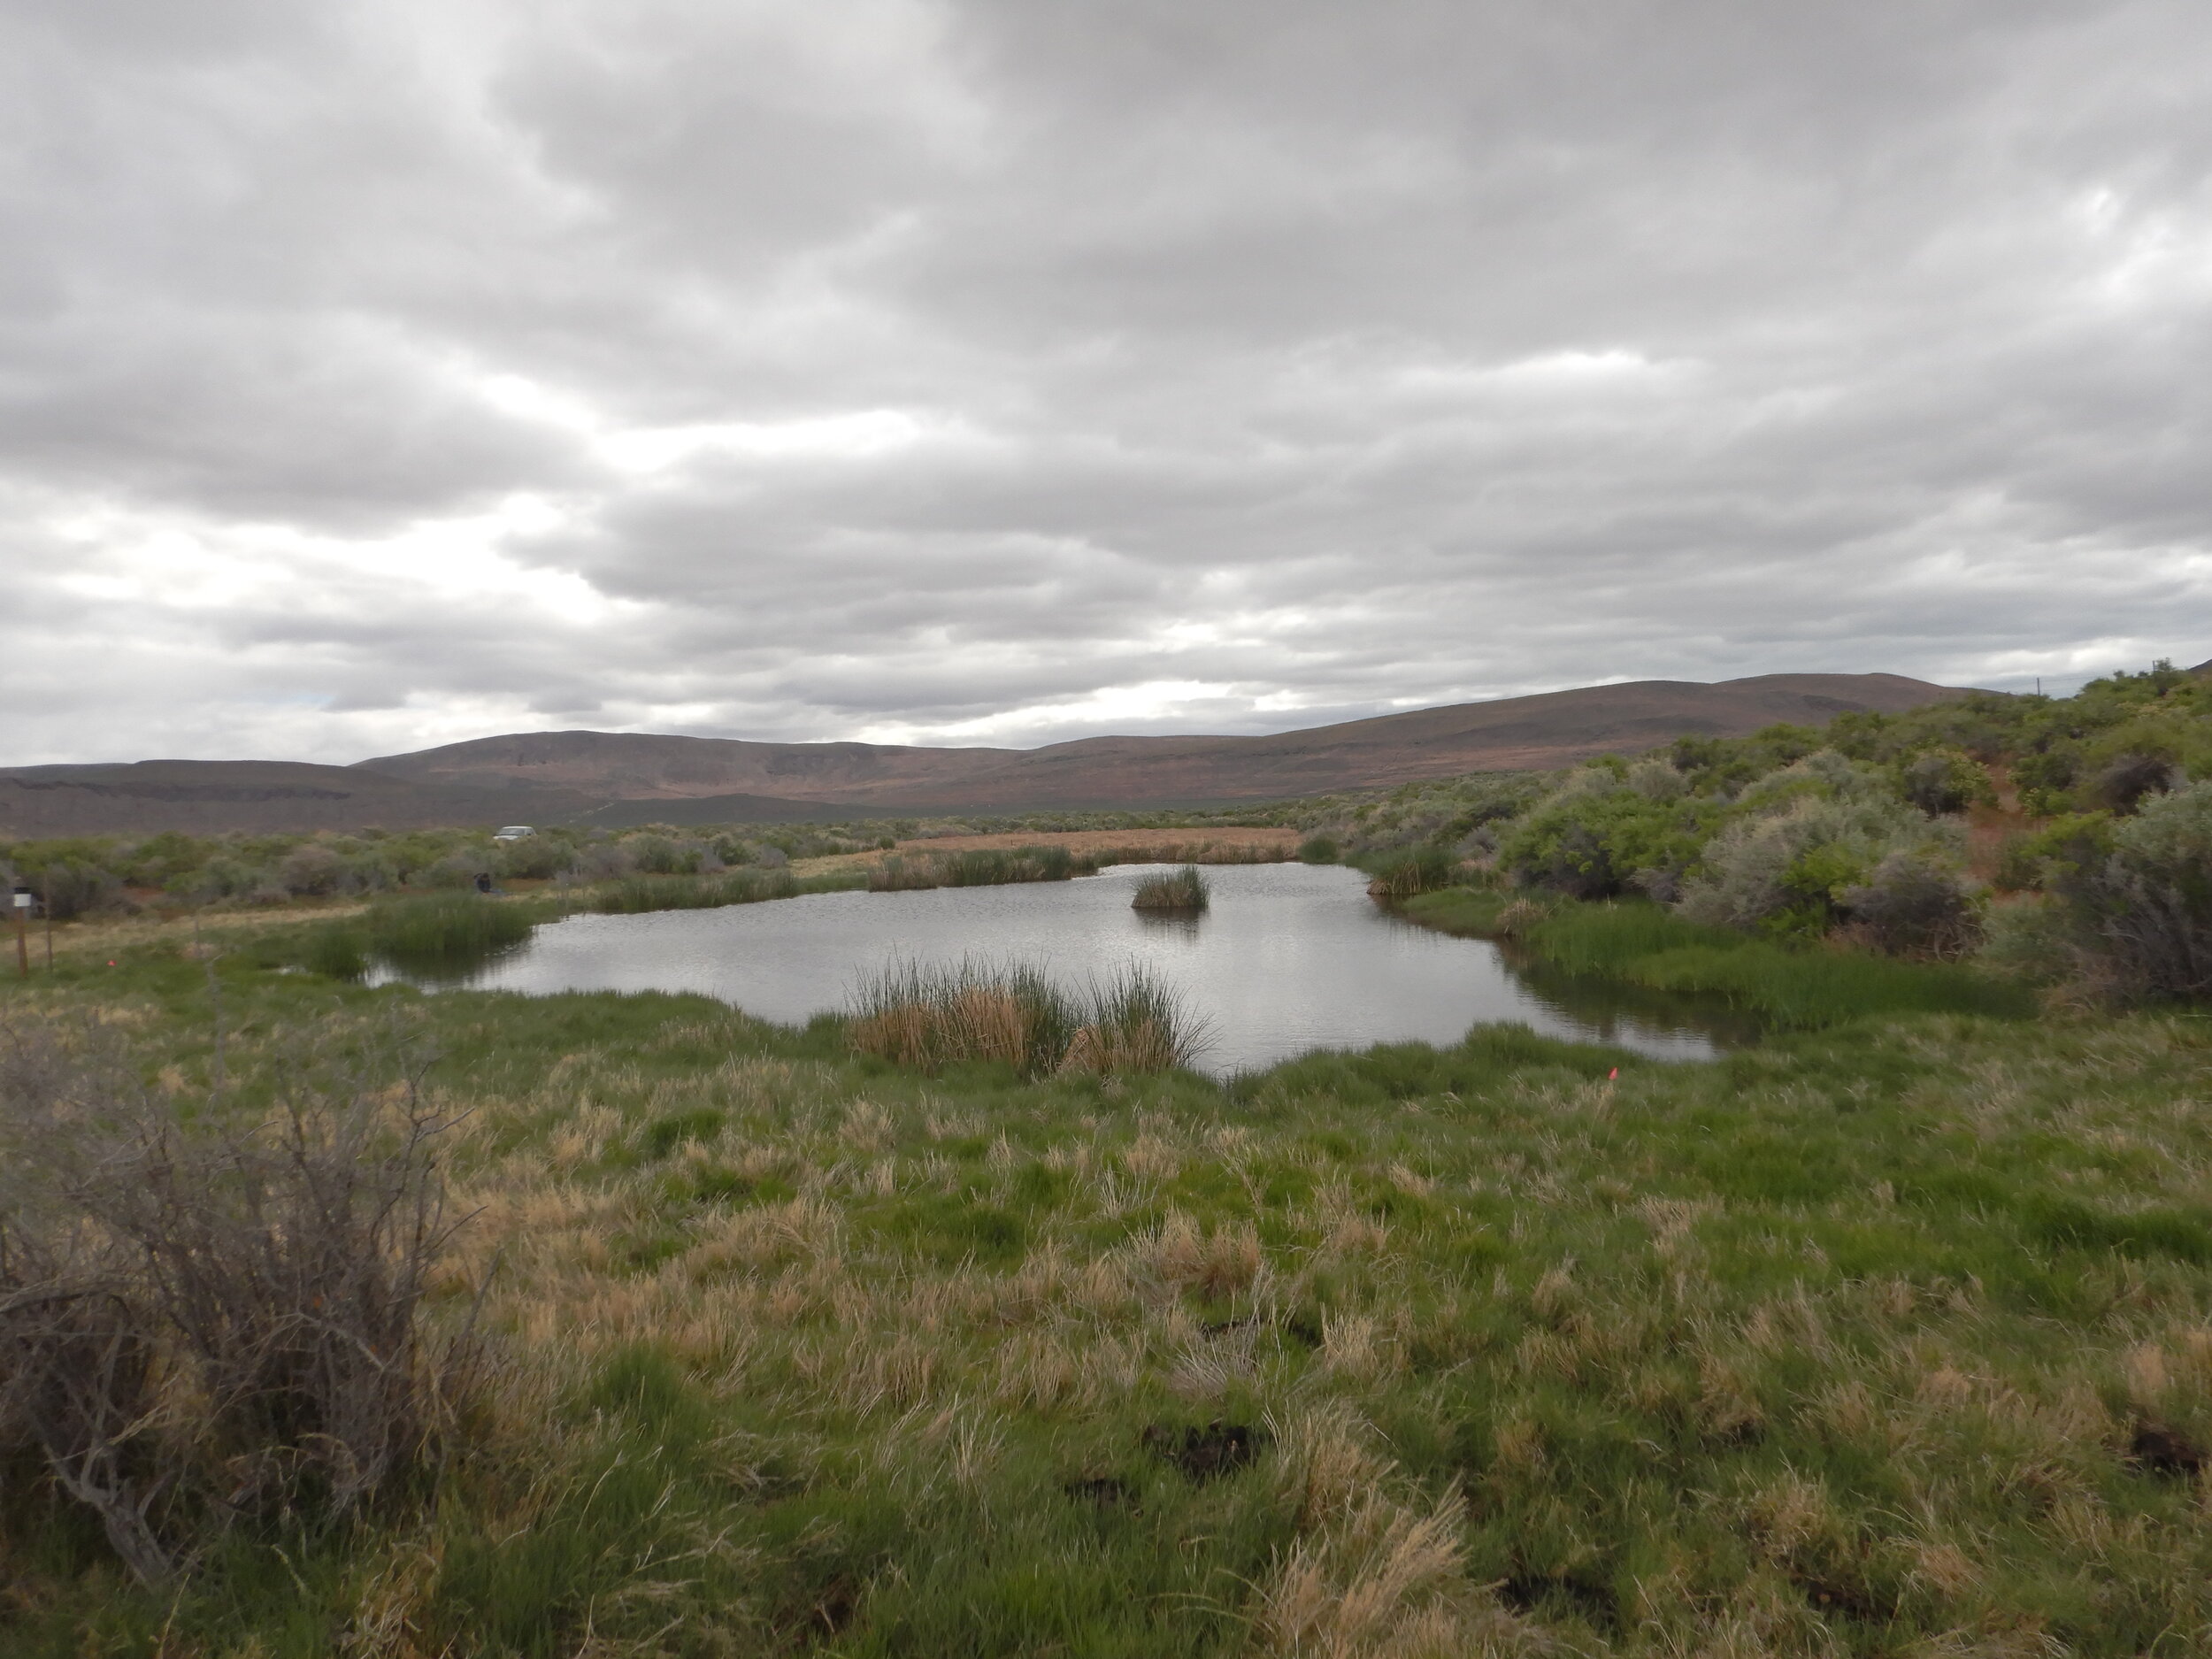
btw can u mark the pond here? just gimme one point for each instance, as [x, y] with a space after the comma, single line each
[1289, 958]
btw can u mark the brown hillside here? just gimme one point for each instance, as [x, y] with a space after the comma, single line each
[1550, 729]
[617, 778]
[208, 796]
[638, 766]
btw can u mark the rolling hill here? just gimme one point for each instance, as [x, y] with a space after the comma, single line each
[618, 778]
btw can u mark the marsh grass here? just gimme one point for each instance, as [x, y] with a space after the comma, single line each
[929, 1016]
[1403, 874]
[1787, 987]
[917, 869]
[449, 934]
[439, 930]
[1892, 1339]
[1181, 892]
[974, 867]
[636, 894]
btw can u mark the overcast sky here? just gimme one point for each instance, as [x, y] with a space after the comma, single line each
[378, 375]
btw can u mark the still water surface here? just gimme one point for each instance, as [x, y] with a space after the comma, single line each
[1289, 958]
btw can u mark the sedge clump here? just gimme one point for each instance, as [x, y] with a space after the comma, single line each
[1181, 893]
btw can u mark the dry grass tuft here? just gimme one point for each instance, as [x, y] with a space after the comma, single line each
[1382, 1582]
[1182, 1253]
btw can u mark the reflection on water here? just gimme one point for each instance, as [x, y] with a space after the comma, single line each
[1289, 957]
[1604, 1005]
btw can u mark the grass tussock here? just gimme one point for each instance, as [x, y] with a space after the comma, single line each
[1181, 892]
[930, 1015]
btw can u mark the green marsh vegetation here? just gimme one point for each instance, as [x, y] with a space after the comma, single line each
[974, 867]
[170, 872]
[455, 933]
[1405, 871]
[1785, 987]
[1893, 1337]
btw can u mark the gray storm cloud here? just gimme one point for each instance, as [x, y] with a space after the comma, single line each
[378, 375]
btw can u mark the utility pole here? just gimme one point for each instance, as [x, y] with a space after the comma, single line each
[22, 930]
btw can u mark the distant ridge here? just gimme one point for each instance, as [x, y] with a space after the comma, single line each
[624, 777]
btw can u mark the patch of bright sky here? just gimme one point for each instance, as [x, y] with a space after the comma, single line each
[1552, 372]
[1147, 704]
[855, 435]
[2142, 258]
[155, 560]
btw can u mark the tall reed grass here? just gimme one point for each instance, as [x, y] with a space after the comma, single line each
[636, 895]
[441, 929]
[1788, 987]
[975, 867]
[1400, 875]
[932, 1014]
[916, 870]
[1181, 893]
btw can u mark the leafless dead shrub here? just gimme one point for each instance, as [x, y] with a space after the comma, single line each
[211, 1313]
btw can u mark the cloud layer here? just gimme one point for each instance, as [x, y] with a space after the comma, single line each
[382, 374]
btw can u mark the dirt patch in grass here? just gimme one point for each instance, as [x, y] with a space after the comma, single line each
[1208, 1452]
[2159, 1450]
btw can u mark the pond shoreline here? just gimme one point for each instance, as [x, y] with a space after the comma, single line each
[1289, 958]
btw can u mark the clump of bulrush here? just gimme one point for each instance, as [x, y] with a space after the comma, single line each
[932, 1016]
[1181, 893]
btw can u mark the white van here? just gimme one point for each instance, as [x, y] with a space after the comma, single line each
[513, 833]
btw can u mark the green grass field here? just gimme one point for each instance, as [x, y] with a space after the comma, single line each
[1893, 1337]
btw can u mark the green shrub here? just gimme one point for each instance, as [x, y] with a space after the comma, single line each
[2122, 783]
[2048, 858]
[534, 858]
[1944, 780]
[1598, 832]
[72, 887]
[1914, 906]
[1320, 849]
[2146, 909]
[1800, 841]
[660, 856]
